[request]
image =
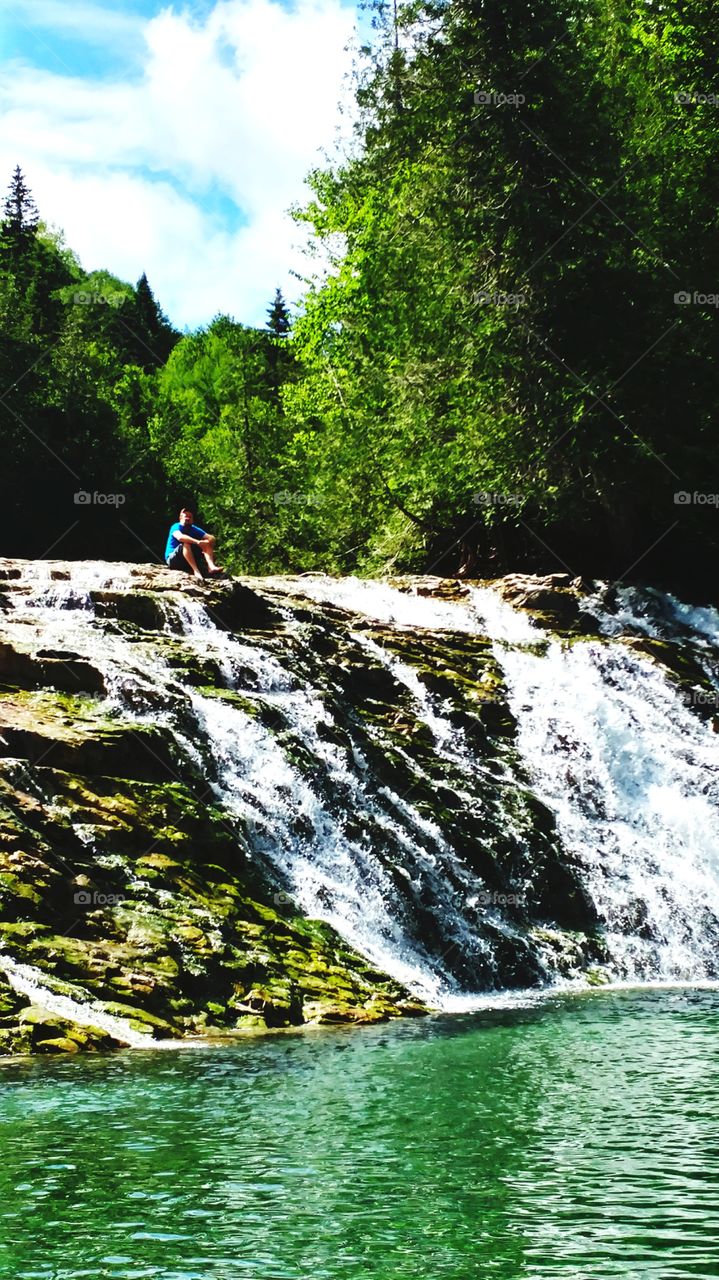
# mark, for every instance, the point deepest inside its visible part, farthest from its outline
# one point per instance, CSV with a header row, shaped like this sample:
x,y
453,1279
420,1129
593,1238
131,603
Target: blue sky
x,y
172,138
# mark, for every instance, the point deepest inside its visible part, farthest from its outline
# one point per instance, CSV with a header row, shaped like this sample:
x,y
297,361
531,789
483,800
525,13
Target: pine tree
x,y
20,214
148,307
33,265
155,335
279,317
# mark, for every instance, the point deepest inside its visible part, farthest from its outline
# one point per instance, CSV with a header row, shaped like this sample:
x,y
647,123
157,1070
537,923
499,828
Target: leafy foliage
x,y
498,341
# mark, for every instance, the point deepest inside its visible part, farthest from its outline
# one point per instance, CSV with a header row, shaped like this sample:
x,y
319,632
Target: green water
x,y
577,1139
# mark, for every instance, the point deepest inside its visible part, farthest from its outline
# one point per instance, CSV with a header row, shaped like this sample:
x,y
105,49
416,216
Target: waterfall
x,y
34,984
630,772
304,829
632,775
437,847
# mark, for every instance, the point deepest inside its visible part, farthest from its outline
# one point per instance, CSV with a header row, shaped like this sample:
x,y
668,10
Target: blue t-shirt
x,y
193,530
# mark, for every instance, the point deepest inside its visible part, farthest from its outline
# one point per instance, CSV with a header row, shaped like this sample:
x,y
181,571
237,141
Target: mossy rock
x,y
140,1020
58,1045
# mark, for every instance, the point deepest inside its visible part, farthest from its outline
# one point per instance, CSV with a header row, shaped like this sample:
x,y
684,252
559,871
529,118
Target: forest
x,y
505,353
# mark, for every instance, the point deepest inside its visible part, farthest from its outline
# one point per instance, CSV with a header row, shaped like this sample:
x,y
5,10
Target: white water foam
x,y
385,603
333,876
632,777
37,986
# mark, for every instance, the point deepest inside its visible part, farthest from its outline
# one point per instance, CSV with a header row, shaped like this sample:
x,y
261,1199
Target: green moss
x,y
58,1045
140,1020
596,976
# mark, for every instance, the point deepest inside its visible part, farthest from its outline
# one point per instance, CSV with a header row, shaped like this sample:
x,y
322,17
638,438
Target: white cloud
x,y
235,107
93,23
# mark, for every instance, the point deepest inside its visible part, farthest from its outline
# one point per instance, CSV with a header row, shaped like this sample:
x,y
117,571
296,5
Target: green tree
x,y
68,402
278,321
20,214
154,336
498,317
221,431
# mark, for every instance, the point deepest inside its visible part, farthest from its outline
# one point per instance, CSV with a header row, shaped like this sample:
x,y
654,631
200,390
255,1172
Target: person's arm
x,y
194,537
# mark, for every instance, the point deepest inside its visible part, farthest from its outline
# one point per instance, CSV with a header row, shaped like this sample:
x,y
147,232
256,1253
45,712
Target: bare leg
x,y
208,550
188,552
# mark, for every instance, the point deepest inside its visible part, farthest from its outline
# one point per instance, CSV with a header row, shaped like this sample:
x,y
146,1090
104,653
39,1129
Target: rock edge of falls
x,y
261,803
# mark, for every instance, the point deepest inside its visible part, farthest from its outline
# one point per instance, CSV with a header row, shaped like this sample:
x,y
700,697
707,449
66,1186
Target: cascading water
x,y
632,775
442,852
305,830
322,841
30,982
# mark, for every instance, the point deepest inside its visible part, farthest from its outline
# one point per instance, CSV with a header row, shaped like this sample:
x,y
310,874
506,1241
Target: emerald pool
x,y
575,1138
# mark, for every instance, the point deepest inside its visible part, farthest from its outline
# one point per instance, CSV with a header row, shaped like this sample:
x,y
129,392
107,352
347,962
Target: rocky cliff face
x,y
253,804
124,884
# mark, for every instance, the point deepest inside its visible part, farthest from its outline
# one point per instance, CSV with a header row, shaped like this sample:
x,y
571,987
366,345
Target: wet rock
x,y
67,672
185,919
36,1030
58,1045
238,608
436,588
143,608
555,596
37,731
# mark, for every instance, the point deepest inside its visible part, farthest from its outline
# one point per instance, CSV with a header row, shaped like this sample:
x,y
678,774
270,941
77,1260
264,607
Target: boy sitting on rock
x,y
190,549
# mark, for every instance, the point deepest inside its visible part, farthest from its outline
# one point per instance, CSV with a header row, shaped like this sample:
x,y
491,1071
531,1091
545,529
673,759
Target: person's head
x,y
187,516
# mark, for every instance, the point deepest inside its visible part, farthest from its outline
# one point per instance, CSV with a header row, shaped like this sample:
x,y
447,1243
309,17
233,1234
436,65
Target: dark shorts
x,y
178,561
